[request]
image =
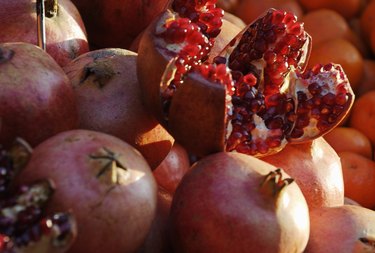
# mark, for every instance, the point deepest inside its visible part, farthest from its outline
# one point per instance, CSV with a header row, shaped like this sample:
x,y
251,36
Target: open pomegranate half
x,y
254,97
24,226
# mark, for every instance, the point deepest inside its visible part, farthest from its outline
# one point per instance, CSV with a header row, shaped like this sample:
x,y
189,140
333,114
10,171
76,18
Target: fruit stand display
x,y
187,126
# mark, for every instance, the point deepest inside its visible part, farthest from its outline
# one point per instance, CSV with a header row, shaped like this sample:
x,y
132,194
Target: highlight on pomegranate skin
x,y
255,97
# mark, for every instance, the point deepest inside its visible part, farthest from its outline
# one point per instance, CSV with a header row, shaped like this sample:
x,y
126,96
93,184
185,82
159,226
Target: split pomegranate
x,y
316,167
65,31
109,100
231,202
23,225
36,97
105,182
344,229
256,95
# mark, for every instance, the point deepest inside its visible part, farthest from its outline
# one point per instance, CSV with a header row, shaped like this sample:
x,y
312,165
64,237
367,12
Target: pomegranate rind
x,y
207,123
149,73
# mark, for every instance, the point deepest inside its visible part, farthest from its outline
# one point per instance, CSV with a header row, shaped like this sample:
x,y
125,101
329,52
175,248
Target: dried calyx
x,y
23,225
270,99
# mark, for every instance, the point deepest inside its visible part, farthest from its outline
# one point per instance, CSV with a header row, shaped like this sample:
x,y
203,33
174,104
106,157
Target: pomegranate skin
x,y
316,167
170,172
116,23
157,238
344,229
65,32
114,208
36,96
109,100
219,207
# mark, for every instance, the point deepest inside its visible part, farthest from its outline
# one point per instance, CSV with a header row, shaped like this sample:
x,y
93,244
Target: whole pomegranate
x,y
344,229
316,167
170,172
116,23
105,183
65,31
254,97
109,100
24,227
36,97
232,202
157,240
168,176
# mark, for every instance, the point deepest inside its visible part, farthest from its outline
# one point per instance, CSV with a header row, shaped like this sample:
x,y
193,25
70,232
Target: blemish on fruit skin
x,y
100,71
6,55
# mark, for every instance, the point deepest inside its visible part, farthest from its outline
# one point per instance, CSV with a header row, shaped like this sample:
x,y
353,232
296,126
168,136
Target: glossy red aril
x,y
256,95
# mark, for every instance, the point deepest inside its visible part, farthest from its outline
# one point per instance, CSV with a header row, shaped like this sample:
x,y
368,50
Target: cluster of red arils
x,y
24,227
254,97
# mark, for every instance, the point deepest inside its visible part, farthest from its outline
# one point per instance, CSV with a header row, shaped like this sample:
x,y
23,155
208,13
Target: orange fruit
x,y
368,19
347,8
362,116
359,178
368,81
249,10
356,36
372,40
325,24
342,52
349,139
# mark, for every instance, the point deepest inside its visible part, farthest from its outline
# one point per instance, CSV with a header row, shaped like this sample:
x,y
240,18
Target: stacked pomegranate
x,y
207,138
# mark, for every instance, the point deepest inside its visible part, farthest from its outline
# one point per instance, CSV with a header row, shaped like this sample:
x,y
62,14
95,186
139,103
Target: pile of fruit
x,y
187,126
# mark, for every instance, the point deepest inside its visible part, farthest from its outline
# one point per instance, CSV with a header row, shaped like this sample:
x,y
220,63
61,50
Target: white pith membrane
x,y
330,81
56,231
37,195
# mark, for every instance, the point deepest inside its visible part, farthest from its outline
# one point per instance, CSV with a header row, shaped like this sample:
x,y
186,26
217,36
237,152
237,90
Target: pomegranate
x,y
65,31
23,225
157,238
228,5
316,167
109,100
170,172
36,97
344,229
256,95
105,182
232,202
168,175
116,23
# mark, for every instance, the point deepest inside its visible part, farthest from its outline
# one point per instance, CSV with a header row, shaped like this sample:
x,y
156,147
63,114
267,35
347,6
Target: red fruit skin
x,y
170,172
36,96
109,100
343,229
316,167
116,23
157,240
218,207
113,210
65,33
